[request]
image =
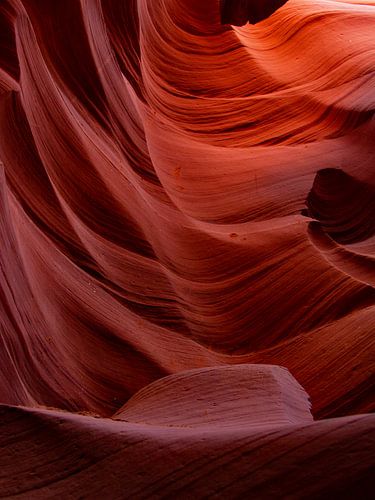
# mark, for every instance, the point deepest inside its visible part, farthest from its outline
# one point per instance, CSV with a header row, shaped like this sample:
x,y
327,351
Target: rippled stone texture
x,y
178,193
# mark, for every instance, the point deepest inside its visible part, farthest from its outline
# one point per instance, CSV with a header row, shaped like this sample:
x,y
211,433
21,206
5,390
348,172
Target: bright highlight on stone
x,y
187,248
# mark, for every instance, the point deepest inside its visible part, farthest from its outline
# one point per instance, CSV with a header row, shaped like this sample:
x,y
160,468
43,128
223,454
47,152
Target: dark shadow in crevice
x,y
343,205
239,12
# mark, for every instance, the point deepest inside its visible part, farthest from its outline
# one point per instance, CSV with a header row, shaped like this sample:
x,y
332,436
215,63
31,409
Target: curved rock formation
x,y
192,448
180,193
228,396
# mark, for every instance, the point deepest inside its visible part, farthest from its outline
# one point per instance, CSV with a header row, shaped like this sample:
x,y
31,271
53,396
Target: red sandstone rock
x,y
49,454
254,396
181,194
238,12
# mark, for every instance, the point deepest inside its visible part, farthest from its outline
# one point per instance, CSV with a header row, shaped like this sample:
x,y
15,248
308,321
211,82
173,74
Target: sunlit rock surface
x,y
185,197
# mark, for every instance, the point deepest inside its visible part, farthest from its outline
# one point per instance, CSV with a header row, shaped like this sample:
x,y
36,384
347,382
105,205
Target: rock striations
x,y
187,204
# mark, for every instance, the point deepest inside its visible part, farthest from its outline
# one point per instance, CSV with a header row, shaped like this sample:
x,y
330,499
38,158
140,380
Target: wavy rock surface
x,y
178,193
256,438
229,396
